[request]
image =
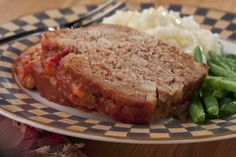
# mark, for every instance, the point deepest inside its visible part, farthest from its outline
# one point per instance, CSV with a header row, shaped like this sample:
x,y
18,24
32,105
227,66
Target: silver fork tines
x,y
108,12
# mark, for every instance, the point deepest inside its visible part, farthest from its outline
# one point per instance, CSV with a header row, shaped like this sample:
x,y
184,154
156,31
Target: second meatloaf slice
x,y
117,70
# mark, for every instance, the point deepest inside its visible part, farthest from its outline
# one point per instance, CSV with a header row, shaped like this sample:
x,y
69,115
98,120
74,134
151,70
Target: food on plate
x,y
31,74
124,73
216,97
196,109
25,66
183,32
210,101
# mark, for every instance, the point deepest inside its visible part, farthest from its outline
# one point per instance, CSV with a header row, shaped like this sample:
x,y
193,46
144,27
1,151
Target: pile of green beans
x,y
217,95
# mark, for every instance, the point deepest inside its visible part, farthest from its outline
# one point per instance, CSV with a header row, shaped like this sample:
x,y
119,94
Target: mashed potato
x,y
183,32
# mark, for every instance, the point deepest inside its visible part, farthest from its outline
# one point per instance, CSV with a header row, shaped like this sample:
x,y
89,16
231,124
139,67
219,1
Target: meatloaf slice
x,y
118,71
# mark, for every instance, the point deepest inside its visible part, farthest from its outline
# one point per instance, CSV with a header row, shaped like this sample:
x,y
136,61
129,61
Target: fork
x,y
84,20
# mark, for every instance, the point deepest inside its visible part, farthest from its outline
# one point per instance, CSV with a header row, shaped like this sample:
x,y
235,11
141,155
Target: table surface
x,y
11,9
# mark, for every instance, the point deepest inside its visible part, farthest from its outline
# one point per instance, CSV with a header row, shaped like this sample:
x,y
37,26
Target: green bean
x,y
219,93
217,60
228,108
219,71
210,102
220,83
196,110
230,62
231,56
198,55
